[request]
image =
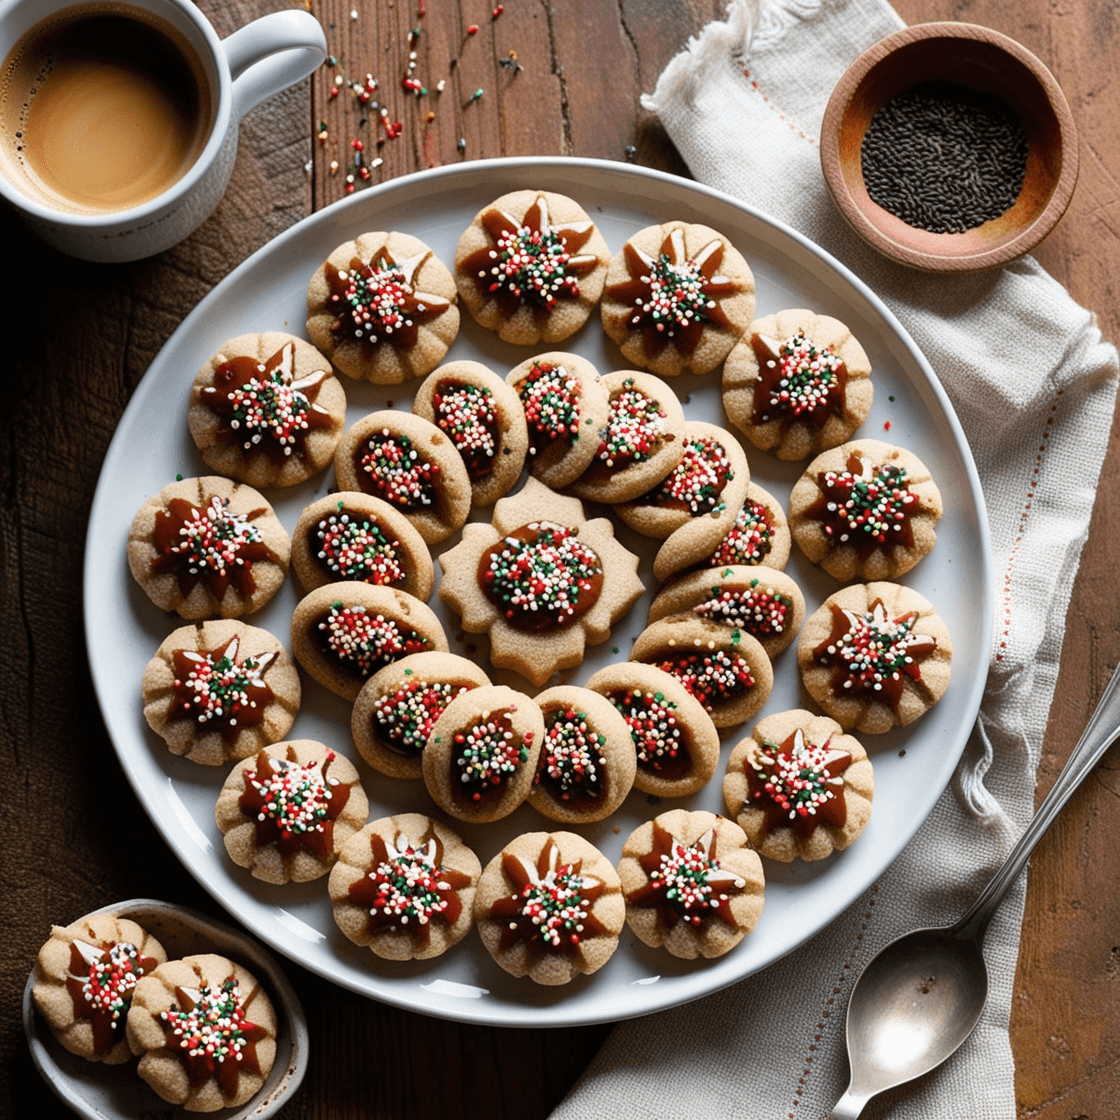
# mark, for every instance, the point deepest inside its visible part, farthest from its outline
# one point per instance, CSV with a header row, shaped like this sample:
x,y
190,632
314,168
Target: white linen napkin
x,y
1034,387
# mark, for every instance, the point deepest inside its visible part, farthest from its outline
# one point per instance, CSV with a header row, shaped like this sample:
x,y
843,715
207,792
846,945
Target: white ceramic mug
x,y
259,60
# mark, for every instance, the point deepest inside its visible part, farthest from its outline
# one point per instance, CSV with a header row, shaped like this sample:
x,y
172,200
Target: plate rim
x,y
556,1013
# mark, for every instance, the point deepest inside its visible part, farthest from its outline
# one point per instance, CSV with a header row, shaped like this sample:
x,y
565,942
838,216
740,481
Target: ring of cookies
x,y
545,569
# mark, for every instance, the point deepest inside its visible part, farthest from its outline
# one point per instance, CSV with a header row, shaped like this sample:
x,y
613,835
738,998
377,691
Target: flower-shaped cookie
x,y
543,580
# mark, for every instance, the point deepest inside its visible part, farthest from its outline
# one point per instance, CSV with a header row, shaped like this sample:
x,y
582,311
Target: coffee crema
x,y
101,109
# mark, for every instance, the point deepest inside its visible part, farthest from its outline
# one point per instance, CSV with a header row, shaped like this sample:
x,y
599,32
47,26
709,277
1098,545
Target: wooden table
x,y
556,77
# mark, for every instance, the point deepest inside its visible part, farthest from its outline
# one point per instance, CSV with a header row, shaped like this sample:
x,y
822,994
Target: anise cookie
x,y
759,601
677,298
797,383
566,405
543,581
208,548
399,705
84,980
643,439
676,745
587,761
799,787
267,409
205,1031
483,418
875,656
531,266
691,884
408,462
726,670
549,906
343,633
353,536
404,888
865,510
707,484
285,813
382,308
760,534
219,691
481,755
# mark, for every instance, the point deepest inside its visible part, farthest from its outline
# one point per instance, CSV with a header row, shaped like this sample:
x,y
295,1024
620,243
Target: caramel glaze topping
x,y
797,382
100,983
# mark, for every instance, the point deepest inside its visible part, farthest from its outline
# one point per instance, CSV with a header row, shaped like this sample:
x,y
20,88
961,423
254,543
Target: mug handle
x,y
272,53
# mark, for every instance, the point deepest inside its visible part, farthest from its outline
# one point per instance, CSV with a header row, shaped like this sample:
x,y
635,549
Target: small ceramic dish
x,y
988,63
100,1092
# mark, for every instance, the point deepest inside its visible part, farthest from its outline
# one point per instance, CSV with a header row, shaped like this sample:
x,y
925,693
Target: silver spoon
x,y
920,996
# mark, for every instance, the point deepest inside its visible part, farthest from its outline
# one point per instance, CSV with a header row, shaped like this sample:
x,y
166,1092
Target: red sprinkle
x,y
497,12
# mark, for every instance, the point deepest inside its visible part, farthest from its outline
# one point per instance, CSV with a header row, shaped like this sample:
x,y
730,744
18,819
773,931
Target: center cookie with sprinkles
x,y
220,691
543,581
797,383
759,601
285,813
482,753
677,298
865,509
267,409
208,548
642,441
691,883
382,308
549,906
727,671
404,888
398,707
531,266
587,761
676,744
352,536
875,656
408,462
343,633
483,418
565,405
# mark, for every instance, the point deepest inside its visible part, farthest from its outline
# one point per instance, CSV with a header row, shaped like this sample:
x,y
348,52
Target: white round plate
x,y
267,292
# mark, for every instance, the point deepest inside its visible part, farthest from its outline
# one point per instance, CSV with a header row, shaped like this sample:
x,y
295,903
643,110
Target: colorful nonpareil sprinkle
x,y
696,482
366,641
748,541
634,428
100,982
469,417
658,738
713,676
797,379
403,719
488,753
550,396
214,687
397,472
572,755
351,546
799,783
759,610
867,503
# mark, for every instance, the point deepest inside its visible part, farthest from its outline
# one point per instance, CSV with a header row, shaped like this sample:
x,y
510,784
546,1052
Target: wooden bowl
x,y
979,59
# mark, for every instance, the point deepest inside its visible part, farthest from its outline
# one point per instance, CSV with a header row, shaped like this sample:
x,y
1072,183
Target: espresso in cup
x,y
101,109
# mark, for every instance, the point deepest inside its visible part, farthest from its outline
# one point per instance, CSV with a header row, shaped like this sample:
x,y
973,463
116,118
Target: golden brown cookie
x,y
343,633
726,670
382,308
865,510
759,601
875,656
676,744
286,813
483,418
691,884
208,548
797,383
587,761
353,536
84,979
565,405
267,409
643,439
799,787
531,266
481,756
409,463
541,579
205,1031
399,705
549,906
404,887
677,298
219,691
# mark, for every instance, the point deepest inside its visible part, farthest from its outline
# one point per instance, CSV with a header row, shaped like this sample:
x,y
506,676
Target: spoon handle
x,y
849,1106
1098,736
